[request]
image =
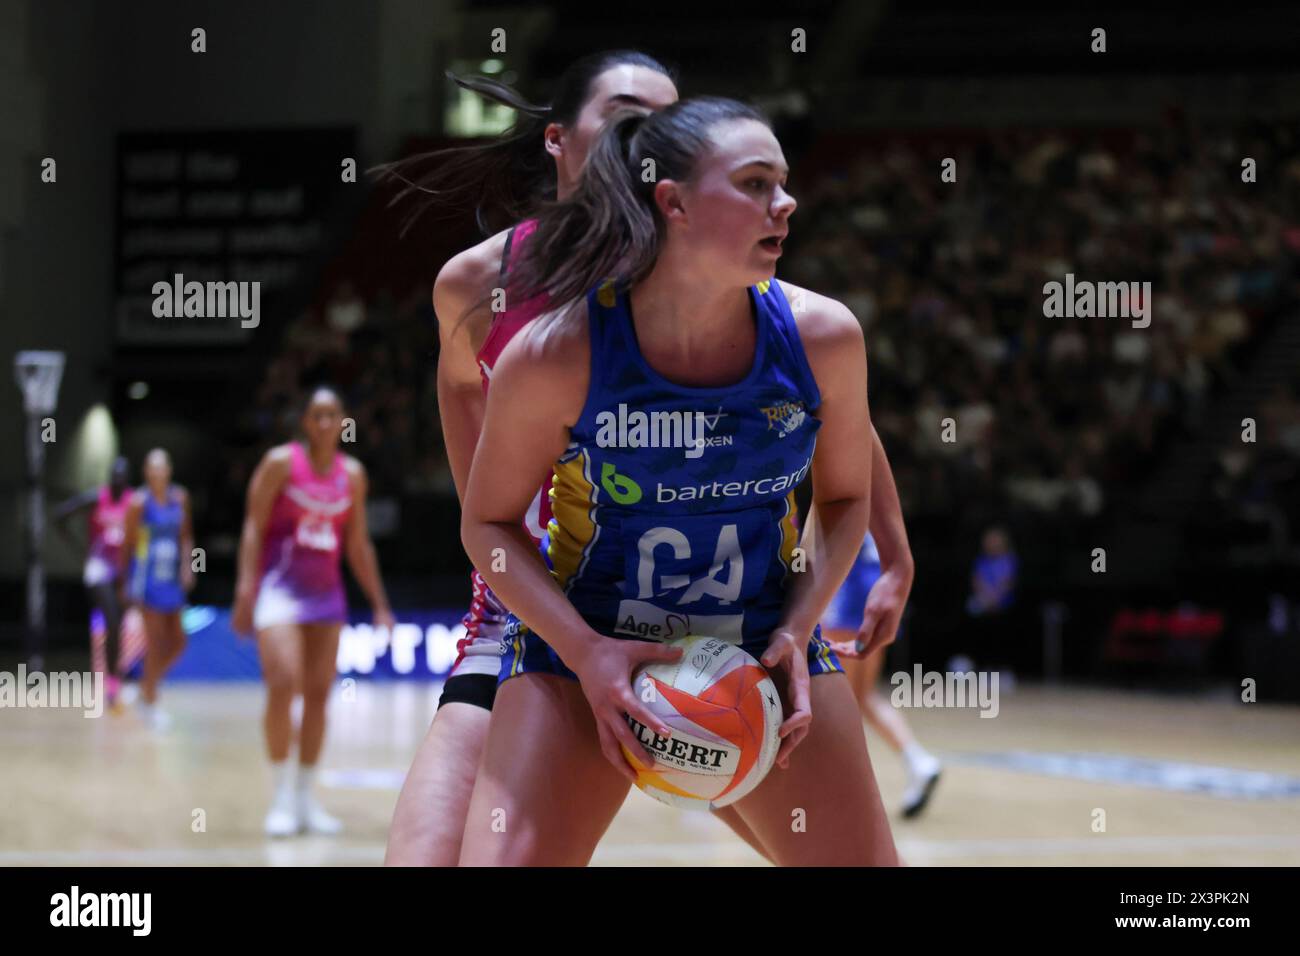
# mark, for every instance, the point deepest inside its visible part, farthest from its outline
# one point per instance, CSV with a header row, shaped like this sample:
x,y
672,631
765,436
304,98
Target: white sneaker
x,y
154,718
314,818
919,789
282,819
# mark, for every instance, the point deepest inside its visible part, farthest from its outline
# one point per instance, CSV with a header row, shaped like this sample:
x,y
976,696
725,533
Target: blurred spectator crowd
x,y
1050,414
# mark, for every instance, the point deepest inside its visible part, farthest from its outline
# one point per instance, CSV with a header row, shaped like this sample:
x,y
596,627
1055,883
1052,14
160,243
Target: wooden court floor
x,y
109,791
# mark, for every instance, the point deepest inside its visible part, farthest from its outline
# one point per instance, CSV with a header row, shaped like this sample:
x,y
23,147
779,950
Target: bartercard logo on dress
x,y
620,487
774,485
785,416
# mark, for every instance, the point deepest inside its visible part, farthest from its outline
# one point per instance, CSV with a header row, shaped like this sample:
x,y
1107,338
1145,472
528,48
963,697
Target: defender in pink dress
x,y
479,651
306,511
105,530
472,339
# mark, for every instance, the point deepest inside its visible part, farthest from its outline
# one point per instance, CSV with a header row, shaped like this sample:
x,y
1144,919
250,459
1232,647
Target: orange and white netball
x,y
724,712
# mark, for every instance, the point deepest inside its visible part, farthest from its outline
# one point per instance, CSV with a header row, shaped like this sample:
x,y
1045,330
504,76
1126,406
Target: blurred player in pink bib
x,y
306,509
301,581
105,510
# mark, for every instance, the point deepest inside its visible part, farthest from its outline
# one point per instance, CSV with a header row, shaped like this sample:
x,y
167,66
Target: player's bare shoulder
x,y
550,358
464,283
278,459
828,329
274,468
823,322
356,471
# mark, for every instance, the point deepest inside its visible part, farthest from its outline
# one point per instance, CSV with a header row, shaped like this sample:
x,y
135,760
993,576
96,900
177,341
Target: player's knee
x,y
316,693
281,683
500,849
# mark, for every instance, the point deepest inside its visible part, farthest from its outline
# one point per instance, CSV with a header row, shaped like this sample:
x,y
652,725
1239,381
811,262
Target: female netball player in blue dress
x,y
689,204
541,156
158,541
857,612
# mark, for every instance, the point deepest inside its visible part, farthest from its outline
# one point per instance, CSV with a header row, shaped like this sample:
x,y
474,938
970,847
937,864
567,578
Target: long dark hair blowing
x,y
507,177
611,227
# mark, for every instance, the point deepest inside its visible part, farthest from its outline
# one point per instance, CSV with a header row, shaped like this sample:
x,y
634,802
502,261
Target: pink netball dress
x,y
107,532
300,579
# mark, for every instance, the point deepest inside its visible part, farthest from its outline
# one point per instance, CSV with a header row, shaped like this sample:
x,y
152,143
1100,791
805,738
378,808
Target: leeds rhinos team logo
x,y
787,416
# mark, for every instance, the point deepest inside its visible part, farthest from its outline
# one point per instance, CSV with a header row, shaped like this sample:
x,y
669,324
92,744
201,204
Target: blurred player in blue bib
x,y
847,625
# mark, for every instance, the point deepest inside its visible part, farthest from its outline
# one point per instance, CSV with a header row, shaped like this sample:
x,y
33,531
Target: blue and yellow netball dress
x,y
673,507
155,579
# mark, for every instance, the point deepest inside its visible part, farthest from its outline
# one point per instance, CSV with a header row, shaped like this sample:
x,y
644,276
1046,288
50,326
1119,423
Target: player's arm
x,y
186,542
267,482
538,389
888,598
842,462
841,494
361,550
461,301
887,526
537,394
